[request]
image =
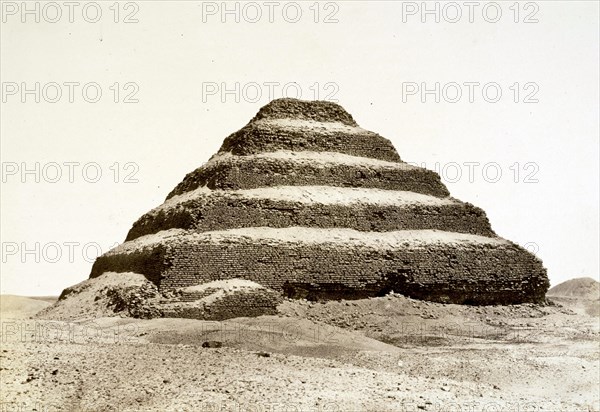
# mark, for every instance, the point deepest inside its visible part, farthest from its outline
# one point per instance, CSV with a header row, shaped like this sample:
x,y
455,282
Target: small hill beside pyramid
x,y
306,204
582,288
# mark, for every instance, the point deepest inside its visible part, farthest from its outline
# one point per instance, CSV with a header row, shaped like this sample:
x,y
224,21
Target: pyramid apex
x,y
317,110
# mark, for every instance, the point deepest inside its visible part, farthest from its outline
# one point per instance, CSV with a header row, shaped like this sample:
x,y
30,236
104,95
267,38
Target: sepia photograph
x,y
300,206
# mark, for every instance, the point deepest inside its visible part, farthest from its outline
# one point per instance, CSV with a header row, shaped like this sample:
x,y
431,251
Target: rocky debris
x,y
125,294
404,322
132,295
212,344
134,301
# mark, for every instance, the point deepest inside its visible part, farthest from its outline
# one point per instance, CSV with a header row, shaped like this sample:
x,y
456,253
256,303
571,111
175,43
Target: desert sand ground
x,y
381,354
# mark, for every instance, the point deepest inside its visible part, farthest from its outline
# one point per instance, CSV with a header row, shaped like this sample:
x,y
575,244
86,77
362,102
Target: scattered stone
x,y
212,344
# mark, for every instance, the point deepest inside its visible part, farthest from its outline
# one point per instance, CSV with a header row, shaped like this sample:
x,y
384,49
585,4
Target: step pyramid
x,y
305,202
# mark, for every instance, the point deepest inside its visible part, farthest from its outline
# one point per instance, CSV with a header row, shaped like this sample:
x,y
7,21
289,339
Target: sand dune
x,y
12,306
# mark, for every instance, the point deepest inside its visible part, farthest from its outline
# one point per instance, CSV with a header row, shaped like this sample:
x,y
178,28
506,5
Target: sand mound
x,y
582,288
126,294
132,295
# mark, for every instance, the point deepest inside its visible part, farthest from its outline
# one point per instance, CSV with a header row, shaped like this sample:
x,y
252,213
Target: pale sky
x,y
369,56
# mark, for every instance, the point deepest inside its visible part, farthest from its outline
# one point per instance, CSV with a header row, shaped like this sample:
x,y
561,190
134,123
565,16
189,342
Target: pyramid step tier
x,y
270,135
312,206
338,263
320,111
287,168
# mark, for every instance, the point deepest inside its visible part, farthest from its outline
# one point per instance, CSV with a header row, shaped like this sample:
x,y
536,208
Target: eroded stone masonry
x,y
306,204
